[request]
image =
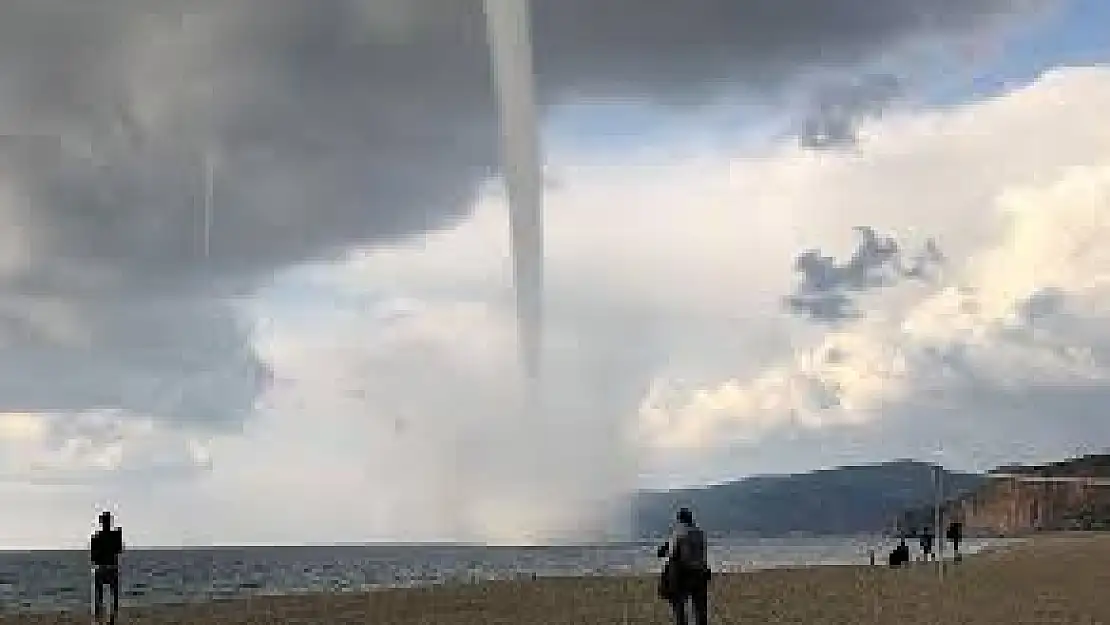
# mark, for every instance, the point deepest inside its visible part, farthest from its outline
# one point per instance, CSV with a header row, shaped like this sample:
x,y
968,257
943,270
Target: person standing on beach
x,y
104,552
686,573
926,541
955,534
900,555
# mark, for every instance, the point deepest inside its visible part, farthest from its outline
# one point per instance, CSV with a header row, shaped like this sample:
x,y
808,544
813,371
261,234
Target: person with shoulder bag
x,y
686,574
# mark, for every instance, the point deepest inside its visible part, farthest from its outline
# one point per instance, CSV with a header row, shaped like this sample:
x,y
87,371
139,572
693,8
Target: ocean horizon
x,y
49,580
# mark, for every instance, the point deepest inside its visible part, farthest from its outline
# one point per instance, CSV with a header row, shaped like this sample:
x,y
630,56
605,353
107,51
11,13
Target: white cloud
x,y
395,411
93,446
698,251
974,332
417,409
973,326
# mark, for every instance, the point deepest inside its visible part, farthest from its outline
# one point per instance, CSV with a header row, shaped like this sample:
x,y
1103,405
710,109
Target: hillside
x,y
1006,506
846,500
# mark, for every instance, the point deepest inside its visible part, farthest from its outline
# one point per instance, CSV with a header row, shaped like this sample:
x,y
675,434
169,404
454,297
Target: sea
x,y
36,581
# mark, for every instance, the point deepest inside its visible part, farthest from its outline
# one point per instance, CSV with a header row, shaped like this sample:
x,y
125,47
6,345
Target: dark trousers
x,y
105,576
695,595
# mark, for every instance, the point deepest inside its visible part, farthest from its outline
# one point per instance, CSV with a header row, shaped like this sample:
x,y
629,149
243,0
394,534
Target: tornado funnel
x,y
510,46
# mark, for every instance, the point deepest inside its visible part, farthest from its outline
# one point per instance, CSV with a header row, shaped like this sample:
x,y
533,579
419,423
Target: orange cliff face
x,y
1021,500
1011,507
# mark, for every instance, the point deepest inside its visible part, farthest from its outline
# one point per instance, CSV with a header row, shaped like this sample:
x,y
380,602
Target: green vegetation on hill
x,y
1091,465
846,500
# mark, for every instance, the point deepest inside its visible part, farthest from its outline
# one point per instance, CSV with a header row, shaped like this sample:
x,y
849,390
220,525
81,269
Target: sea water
x,y
53,580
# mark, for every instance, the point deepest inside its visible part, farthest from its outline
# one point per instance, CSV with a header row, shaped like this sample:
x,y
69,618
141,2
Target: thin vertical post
x,y
209,182
938,535
938,492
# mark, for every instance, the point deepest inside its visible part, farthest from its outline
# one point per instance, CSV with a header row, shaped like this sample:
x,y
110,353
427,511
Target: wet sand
x,y
1053,579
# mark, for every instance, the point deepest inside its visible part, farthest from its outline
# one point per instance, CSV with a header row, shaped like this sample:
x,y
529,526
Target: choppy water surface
x,y
49,580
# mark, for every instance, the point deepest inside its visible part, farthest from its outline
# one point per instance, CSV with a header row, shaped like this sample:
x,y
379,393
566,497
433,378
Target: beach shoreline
x,y
174,578
1056,577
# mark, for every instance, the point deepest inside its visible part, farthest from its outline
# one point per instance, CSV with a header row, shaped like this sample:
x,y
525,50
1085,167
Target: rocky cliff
x,y
1020,500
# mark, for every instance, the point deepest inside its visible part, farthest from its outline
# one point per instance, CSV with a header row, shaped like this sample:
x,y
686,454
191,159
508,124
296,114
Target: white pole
x,y
209,173
938,498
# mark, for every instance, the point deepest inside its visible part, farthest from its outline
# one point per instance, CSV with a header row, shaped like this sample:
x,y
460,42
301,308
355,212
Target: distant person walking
x,y
955,535
686,573
900,555
926,540
104,551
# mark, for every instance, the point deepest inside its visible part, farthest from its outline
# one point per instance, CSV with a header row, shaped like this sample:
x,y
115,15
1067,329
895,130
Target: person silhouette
x,y
105,548
686,574
900,555
955,535
926,540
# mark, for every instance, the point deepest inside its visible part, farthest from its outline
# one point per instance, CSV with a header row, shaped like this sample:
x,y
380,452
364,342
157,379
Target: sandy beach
x,y
1052,579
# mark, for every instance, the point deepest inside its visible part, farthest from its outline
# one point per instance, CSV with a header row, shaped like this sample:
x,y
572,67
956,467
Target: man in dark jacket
x,y
926,541
955,535
900,555
686,573
104,552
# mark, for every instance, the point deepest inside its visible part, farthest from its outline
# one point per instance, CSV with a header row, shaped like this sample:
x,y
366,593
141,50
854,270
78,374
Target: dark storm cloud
x,y
837,109
826,289
1044,302
685,51
176,357
334,123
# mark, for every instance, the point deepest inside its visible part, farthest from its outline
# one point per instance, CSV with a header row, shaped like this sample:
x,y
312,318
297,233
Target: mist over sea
x,y
51,580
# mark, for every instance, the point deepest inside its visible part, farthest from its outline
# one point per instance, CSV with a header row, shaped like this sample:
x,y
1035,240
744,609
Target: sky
x,y
776,239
